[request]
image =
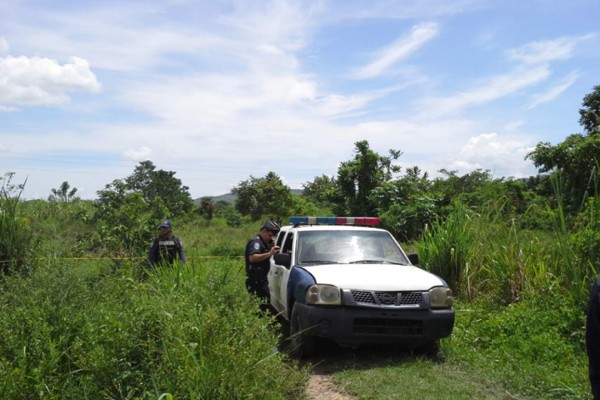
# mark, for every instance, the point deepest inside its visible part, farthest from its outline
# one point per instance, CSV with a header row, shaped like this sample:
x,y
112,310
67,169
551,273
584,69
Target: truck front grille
x,y
387,298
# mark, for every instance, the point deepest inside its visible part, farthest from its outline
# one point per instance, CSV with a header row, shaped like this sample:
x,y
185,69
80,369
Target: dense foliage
x,y
263,197
521,253
86,333
16,240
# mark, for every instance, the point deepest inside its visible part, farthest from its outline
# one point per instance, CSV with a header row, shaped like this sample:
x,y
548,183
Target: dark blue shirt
x,y
166,250
256,246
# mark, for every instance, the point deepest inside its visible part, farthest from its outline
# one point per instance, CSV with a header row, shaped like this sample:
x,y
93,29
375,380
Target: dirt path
x,y
320,387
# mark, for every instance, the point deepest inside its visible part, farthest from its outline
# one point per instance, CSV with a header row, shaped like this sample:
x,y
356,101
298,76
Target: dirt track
x,y
320,387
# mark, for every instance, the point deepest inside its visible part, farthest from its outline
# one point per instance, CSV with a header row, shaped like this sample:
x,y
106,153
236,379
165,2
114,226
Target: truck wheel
x,y
301,343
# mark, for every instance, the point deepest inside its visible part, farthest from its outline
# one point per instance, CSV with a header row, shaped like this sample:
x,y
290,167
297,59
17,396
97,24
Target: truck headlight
x,y
440,297
323,295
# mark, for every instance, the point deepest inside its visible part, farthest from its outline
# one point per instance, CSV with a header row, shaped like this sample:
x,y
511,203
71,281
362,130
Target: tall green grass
x,y
522,294
481,253
16,238
189,332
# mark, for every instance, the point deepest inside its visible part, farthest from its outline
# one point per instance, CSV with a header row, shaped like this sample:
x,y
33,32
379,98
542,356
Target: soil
x,y
331,358
320,387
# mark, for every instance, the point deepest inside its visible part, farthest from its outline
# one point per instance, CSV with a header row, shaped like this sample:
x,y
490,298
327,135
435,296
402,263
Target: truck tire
x,y
301,343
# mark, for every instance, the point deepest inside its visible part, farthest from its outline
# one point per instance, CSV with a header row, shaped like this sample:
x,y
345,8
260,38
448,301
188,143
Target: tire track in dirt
x,y
321,387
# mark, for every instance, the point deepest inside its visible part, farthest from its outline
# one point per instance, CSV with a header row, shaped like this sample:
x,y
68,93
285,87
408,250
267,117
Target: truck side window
x,y
280,239
287,246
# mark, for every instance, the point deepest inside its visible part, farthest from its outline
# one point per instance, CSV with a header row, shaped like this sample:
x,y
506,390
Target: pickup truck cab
x,y
343,279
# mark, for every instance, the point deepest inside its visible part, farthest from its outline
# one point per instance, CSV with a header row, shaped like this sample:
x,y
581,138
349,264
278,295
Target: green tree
x,y
590,113
129,209
154,184
357,178
577,158
263,197
405,204
64,193
206,208
451,186
321,191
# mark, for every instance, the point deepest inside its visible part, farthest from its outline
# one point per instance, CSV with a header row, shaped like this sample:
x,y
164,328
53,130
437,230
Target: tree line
x,y
369,184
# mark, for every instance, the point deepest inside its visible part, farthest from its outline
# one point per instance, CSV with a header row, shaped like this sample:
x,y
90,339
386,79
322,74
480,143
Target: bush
x,y
542,335
191,333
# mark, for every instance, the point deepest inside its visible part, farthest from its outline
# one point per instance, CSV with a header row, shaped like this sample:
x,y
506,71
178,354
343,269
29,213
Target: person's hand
x,y
274,250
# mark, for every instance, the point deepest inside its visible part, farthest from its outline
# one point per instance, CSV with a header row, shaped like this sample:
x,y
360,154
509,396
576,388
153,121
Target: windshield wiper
x,y
380,261
318,262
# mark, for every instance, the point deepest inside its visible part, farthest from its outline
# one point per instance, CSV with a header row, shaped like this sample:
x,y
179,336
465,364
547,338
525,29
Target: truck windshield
x,y
342,247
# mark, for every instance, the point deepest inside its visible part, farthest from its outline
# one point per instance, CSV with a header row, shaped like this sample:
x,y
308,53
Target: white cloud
x,y
494,88
554,91
547,50
42,81
503,157
338,105
140,154
219,91
402,48
8,109
4,148
513,125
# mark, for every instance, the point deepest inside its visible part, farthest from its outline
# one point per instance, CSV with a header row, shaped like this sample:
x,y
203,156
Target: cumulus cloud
x,y
402,48
43,81
139,154
503,157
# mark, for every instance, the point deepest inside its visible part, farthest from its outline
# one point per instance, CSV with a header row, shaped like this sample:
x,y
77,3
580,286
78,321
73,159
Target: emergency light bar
x,y
335,220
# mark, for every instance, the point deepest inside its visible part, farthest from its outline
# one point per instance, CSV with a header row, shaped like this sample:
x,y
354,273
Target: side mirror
x,y
283,259
413,258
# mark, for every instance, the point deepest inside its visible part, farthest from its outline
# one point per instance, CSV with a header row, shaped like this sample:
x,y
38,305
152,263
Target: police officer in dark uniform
x,y
165,248
258,253
592,338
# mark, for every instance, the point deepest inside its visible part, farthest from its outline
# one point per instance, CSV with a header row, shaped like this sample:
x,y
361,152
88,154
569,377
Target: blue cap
x,y
271,226
165,223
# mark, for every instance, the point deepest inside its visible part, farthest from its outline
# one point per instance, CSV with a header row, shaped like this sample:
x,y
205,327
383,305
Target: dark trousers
x,y
592,336
257,282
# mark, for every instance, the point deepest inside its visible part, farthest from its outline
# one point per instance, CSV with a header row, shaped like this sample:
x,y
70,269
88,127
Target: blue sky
x,y
219,91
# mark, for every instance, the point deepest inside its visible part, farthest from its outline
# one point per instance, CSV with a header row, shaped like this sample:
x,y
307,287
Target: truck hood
x,y
380,277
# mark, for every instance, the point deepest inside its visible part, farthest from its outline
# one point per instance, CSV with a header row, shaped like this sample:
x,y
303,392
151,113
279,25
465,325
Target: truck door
x,y
278,276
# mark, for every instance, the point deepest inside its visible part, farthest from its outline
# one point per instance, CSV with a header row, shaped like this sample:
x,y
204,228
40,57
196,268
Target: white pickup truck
x,y
343,279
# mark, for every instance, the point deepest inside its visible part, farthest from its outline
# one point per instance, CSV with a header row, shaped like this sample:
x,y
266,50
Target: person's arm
x,y
181,252
256,258
152,252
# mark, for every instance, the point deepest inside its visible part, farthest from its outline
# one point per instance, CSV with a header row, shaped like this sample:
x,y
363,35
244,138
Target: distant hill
x,y
230,197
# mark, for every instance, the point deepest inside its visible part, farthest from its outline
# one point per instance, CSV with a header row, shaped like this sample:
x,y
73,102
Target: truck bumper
x,y
357,325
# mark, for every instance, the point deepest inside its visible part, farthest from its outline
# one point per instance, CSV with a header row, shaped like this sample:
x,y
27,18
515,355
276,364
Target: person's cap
x,y
165,223
271,226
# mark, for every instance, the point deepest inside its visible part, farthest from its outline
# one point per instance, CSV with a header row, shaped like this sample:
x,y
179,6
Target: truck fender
x,y
298,282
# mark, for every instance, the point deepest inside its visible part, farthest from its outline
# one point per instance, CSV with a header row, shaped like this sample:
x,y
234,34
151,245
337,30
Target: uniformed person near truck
x,y
258,253
166,247
592,338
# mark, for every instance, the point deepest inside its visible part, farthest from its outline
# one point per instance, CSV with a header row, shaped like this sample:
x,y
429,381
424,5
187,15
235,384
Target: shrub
x,y
188,332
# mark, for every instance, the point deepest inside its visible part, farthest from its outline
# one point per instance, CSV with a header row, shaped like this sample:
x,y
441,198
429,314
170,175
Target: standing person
x,y
258,253
166,248
592,338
